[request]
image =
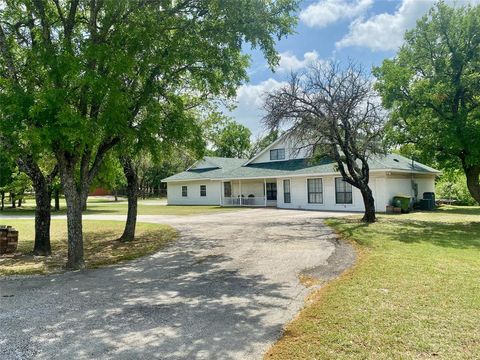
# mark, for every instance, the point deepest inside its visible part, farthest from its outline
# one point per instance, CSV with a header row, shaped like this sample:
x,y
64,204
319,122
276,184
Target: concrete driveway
x,y
224,290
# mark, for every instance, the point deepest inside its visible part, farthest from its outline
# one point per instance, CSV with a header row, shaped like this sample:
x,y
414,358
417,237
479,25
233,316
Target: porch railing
x,y
244,201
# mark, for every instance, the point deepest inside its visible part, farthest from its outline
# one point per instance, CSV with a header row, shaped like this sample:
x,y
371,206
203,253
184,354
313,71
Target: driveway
x,y
224,290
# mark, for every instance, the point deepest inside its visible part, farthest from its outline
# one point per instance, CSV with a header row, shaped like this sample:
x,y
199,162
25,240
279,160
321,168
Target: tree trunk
x,y
473,181
42,245
43,195
12,200
115,194
74,219
57,199
132,195
369,203
2,196
20,201
84,201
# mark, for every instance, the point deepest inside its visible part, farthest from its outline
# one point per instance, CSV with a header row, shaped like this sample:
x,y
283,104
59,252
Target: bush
x,y
453,186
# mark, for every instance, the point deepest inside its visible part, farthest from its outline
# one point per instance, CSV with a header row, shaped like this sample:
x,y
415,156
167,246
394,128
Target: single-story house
x,y
280,176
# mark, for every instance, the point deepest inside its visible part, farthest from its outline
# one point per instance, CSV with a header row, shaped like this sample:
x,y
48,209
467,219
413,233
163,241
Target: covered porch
x,y
249,192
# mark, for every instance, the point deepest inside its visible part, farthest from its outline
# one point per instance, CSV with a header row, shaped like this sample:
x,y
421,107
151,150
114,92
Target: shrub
x,y
452,185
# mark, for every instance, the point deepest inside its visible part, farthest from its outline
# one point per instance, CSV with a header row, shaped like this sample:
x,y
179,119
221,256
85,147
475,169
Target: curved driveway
x,y
224,290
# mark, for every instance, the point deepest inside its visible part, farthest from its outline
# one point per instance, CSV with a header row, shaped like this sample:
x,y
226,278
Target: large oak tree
x,y
80,72
432,87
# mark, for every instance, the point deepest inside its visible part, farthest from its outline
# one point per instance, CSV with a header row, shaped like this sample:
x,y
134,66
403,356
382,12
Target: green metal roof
x,y
235,168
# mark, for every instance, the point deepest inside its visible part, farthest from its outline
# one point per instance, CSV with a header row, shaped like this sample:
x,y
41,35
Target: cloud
x,y
289,62
383,32
249,111
326,12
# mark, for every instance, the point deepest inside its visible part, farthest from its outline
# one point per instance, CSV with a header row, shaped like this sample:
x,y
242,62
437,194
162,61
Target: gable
x,y
285,144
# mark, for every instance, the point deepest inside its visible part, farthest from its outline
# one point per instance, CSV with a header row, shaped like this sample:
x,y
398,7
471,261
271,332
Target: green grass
x,y
102,206
100,243
413,294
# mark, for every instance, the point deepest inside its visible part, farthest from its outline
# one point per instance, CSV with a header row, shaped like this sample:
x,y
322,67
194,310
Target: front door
x,y
272,191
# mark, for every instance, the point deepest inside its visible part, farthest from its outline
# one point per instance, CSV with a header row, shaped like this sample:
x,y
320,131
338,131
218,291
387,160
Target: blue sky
x,y
366,31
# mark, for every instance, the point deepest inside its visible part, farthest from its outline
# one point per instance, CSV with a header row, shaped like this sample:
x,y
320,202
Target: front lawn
x,y
414,293
104,206
101,245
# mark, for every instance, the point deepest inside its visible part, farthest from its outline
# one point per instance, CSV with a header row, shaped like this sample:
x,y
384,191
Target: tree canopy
x,y
432,88
231,139
79,76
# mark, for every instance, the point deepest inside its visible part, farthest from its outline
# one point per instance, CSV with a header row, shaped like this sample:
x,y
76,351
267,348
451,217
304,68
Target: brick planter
x,y
8,240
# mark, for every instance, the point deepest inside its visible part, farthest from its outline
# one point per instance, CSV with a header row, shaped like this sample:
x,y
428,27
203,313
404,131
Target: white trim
x,y
323,192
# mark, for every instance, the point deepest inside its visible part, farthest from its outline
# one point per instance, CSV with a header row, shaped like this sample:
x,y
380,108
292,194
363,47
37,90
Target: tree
x,y
432,87
262,142
332,111
80,73
110,175
231,139
6,174
179,130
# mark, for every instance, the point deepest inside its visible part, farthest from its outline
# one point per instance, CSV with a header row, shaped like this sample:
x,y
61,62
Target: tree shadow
x,y
172,305
459,210
452,235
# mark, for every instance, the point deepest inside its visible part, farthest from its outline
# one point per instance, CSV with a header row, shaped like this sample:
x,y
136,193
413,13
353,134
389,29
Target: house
x,y
281,176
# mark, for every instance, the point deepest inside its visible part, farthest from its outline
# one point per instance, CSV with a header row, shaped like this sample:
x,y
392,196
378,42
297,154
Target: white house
x,y
282,177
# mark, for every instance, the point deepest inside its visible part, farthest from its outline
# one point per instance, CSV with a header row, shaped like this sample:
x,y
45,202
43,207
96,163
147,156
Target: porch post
x,y
240,187
265,191
221,192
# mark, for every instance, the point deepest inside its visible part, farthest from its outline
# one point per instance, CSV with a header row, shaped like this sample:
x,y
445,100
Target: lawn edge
x,y
318,292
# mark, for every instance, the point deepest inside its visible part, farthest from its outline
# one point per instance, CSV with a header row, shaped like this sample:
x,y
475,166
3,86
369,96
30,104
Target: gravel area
x,y
224,290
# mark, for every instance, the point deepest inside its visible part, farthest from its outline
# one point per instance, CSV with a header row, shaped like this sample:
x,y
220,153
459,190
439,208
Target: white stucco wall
x,y
299,196
290,152
174,193
401,184
384,186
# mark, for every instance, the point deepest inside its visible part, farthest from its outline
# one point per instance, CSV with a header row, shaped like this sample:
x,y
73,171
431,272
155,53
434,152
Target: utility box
x,y
8,240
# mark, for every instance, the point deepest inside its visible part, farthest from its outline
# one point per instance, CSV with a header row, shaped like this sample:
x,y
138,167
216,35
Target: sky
x,y
366,31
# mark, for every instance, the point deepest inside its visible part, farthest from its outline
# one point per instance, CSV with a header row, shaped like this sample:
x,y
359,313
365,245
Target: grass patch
x,y
413,294
100,241
104,206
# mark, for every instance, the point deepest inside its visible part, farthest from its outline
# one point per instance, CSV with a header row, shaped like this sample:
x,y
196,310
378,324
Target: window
x,y
343,192
286,192
315,191
271,191
227,189
277,154
203,190
184,191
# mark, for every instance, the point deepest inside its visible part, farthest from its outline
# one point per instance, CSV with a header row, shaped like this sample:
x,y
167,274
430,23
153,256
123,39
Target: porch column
x,y
240,187
221,192
265,191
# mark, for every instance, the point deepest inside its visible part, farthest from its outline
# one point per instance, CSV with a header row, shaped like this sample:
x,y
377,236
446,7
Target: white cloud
x,y
289,62
385,31
326,12
250,98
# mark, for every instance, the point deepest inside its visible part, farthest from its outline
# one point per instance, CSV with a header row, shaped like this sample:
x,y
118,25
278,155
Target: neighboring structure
x,y
283,177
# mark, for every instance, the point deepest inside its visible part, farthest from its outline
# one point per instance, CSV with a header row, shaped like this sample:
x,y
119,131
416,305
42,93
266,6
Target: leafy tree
x,y
262,142
79,76
6,173
110,175
432,87
332,111
231,139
